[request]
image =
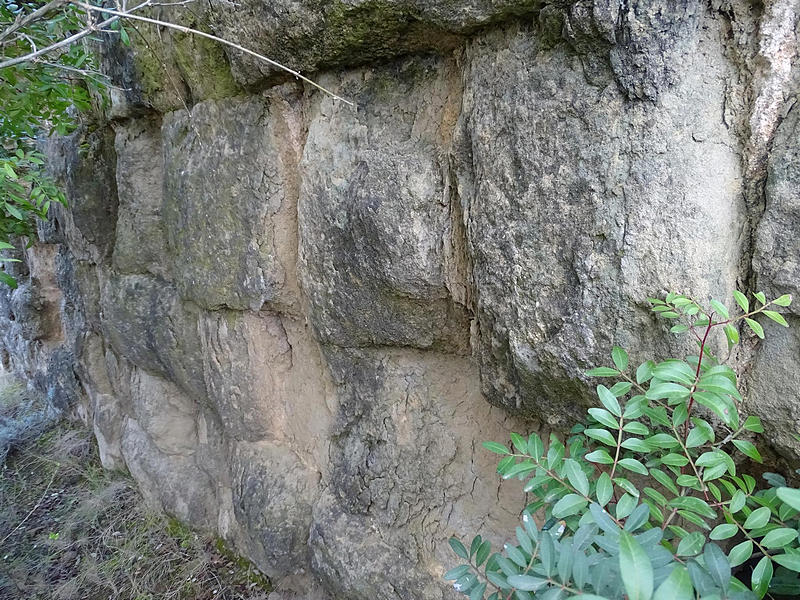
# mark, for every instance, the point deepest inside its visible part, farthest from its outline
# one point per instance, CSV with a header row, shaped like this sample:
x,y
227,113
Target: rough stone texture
x,y
374,214
219,211
294,321
141,241
146,322
774,378
582,204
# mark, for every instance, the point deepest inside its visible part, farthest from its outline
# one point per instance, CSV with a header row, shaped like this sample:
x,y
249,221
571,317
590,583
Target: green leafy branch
x,y
667,488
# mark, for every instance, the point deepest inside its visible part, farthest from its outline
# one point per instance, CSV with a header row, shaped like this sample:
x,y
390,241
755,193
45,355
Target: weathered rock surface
x,y
294,321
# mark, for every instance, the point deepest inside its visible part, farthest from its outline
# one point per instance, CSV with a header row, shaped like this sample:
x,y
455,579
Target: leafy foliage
x,y
634,501
41,96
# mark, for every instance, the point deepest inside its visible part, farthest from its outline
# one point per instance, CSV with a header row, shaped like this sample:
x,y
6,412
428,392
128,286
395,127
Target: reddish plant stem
x,y
697,376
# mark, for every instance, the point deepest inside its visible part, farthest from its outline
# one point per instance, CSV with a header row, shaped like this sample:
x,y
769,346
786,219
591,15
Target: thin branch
x,y
22,21
65,42
21,523
209,36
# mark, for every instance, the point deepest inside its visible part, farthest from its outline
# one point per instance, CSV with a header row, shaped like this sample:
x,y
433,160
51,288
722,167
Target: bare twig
x,y
61,44
24,20
209,36
33,510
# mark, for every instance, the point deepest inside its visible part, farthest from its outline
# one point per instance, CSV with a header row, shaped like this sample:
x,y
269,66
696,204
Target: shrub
x,y
645,501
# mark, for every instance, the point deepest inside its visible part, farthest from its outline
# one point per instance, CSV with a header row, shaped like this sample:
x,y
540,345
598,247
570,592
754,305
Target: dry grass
x,y
71,531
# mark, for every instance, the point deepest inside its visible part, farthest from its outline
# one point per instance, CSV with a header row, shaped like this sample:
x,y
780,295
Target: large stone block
x,y
226,202
175,483
266,379
374,212
773,382
307,35
145,321
273,495
579,204
141,244
406,463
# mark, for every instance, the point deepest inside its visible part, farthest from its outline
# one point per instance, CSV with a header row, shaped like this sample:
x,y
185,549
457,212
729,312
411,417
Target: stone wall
x,y
294,322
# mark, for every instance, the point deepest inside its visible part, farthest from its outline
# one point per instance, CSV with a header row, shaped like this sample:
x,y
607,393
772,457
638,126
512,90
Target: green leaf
x,y
664,480
680,328
635,407
778,538
621,388
527,583
645,371
717,565
758,518
790,496
720,405
123,36
738,500
604,490
637,518
784,300
692,544
723,531
521,468
720,309
478,592
535,446
496,448
697,437
732,334
697,505
658,391
675,460
675,370
790,561
633,465
636,428
756,327
604,417
627,486
456,573
663,440
636,445
14,211
602,372
635,564
483,553
600,456
620,358
576,476
516,555
748,449
741,300
10,173
777,317
625,506
476,543
762,575
569,505
753,424
760,297
458,548
656,496
740,553
519,442
8,280
678,586
601,435
609,400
